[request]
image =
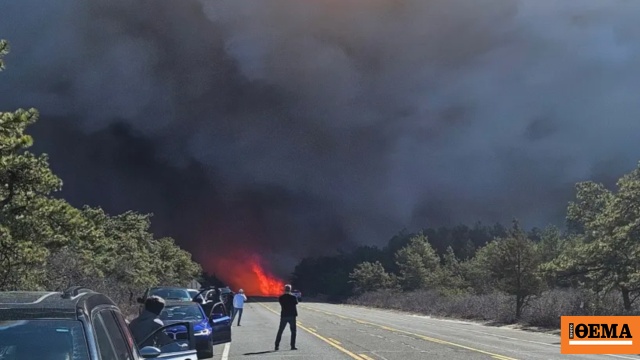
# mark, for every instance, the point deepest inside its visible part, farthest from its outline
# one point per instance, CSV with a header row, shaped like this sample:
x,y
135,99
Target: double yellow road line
x,y
419,336
336,344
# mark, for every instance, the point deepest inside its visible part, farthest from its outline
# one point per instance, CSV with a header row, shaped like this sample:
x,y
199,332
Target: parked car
x,y
226,296
298,294
78,324
218,297
165,292
209,329
225,291
195,294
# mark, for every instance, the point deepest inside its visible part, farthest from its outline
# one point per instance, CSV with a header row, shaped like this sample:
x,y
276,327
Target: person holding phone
x,y
288,314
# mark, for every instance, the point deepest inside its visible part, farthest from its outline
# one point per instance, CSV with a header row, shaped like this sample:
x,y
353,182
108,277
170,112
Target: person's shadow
x,y
259,352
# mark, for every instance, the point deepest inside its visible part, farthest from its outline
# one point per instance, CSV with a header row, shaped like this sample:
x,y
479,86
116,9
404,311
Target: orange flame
x,y
247,272
269,285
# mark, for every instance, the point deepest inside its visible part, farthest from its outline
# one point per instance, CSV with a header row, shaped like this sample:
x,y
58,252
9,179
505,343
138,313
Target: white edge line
x,y
621,357
483,332
225,352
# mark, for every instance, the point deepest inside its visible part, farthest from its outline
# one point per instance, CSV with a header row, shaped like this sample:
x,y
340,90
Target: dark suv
x,y
78,324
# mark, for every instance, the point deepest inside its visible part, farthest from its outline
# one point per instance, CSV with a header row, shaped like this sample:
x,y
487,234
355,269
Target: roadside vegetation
x,y
46,243
498,274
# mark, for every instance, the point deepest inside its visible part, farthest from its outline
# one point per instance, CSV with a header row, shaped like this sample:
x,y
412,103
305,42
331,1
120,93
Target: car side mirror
x,y
150,352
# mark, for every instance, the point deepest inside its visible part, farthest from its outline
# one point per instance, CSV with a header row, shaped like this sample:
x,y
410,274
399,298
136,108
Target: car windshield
x,y
42,340
182,313
172,294
193,293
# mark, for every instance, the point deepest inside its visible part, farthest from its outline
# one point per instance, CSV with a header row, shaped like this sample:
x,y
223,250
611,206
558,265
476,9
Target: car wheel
x,y
206,353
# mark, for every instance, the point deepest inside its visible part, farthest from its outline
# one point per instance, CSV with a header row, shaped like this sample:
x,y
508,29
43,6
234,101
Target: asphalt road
x,y
328,331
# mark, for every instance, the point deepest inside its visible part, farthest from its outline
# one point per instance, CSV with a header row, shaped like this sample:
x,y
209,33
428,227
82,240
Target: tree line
x,y
46,243
591,266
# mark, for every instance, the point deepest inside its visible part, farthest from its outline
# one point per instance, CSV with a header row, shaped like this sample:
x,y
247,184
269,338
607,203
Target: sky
x,y
288,128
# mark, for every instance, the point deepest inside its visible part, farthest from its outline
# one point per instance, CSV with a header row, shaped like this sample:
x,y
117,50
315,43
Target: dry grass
x,y
543,311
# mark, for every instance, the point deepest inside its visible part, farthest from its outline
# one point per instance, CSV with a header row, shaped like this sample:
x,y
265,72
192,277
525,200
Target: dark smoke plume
x,y
289,127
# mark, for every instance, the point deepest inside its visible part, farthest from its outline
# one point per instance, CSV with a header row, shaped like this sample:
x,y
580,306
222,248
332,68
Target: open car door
x,y
161,345
206,291
221,324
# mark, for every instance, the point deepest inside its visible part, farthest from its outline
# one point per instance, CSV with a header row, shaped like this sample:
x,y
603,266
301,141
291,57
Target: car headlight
x,y
202,332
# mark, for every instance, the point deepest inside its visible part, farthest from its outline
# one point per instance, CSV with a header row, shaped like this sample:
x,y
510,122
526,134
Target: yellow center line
x,y
337,346
364,356
335,341
423,337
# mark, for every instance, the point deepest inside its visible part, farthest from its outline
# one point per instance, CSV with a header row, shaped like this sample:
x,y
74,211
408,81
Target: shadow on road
x,y
259,352
265,299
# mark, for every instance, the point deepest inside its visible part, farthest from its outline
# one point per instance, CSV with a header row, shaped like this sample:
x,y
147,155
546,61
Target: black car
x,y
77,324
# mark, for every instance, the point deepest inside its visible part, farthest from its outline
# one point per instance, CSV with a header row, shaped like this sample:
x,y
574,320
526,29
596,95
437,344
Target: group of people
x,y
149,322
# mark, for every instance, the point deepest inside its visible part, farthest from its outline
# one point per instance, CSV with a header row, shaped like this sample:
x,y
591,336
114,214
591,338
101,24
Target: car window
x,y
171,294
181,312
105,348
42,340
111,341
124,328
218,309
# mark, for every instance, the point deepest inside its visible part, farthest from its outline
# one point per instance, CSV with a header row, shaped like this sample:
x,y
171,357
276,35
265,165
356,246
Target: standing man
x,y
238,304
148,323
288,314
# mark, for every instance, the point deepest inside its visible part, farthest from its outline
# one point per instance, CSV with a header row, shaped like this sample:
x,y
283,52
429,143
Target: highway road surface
x,y
327,331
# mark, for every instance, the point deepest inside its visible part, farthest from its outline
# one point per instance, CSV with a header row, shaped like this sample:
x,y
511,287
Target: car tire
x,y
206,353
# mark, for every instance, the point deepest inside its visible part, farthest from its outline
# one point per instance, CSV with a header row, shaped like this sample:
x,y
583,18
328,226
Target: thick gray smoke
x,y
292,126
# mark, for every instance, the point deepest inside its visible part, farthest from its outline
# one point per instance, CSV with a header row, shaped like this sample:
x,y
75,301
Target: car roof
x,y
168,288
21,305
180,303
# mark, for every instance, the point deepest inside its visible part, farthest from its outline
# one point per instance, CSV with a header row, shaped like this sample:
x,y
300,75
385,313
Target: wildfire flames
x,y
269,285
248,273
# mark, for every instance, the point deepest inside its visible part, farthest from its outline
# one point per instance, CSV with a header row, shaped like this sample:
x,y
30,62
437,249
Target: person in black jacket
x,y
288,313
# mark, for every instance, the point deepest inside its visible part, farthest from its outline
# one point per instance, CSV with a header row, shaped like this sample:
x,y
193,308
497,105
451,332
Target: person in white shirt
x,y
238,305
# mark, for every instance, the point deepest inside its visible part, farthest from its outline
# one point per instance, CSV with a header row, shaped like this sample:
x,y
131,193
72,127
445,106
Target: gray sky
x,y
290,127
